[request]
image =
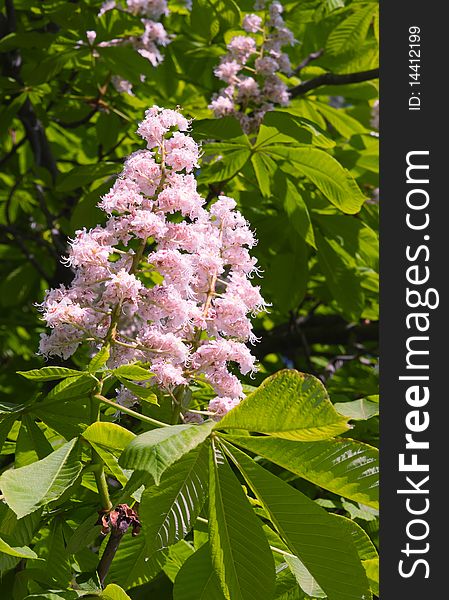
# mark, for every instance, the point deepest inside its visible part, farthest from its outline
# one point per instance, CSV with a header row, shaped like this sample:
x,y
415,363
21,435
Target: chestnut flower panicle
x,y
251,66
164,281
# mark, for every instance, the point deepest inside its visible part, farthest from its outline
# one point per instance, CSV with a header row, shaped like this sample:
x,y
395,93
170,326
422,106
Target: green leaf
x,y
85,174
84,534
298,213
264,167
126,62
133,372
343,466
349,35
176,557
113,592
287,587
72,387
23,552
169,510
320,542
304,578
240,552
66,417
110,436
141,391
358,410
226,168
372,572
361,540
49,373
197,579
343,123
288,277
289,405
220,129
342,278
132,564
107,128
335,182
32,486
16,532
31,443
99,360
297,128
156,450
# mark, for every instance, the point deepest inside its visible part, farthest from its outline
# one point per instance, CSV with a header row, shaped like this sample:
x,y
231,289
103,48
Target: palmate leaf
x,y
320,542
168,510
289,405
197,579
343,466
156,450
27,488
240,552
335,182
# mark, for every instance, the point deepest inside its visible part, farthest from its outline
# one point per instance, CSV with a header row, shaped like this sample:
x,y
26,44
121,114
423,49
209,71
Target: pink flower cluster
x,y
153,37
164,281
251,66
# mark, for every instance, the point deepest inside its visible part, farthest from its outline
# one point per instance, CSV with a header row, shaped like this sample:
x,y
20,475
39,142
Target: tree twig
x,y
333,79
308,59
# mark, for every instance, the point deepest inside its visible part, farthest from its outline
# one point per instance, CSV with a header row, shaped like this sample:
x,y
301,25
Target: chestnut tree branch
x,y
332,79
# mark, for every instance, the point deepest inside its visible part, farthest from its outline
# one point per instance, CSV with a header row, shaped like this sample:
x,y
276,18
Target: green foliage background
x,y
306,184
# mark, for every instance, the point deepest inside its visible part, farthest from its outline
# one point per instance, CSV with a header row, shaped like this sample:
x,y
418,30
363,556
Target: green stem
x,y
131,412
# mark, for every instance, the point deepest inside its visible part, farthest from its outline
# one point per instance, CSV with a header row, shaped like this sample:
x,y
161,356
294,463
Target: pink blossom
x,y
122,85
154,32
91,37
222,106
148,8
86,250
241,47
248,89
141,168
148,224
167,375
182,152
228,70
173,290
124,196
249,98
221,406
252,23
180,195
266,65
191,417
106,6
122,286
